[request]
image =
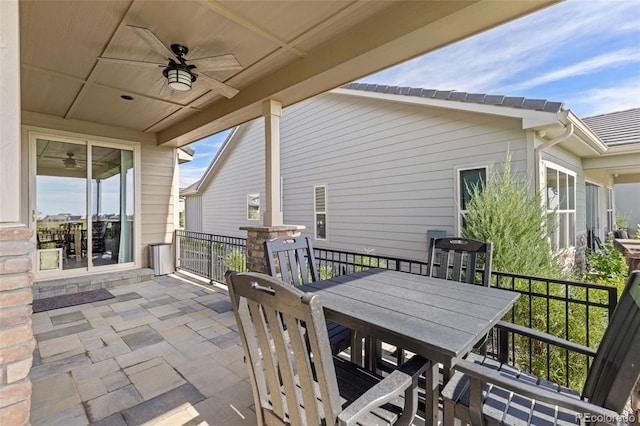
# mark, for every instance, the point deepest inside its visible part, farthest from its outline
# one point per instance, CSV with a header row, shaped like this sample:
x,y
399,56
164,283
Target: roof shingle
x,y
454,95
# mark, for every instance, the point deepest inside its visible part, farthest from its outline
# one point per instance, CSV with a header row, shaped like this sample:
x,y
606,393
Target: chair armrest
x,y
488,375
405,377
547,338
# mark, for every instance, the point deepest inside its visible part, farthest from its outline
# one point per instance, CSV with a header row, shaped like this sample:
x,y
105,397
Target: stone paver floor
x,y
163,351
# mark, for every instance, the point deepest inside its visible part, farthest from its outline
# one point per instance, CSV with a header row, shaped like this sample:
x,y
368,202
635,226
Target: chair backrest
x,y
295,260
460,259
285,340
616,366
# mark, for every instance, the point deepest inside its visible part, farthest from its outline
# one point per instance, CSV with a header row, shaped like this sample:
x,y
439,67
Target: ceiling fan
x,y
179,70
70,162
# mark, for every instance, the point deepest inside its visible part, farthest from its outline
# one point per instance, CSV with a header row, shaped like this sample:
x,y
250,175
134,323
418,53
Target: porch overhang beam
x,y
402,32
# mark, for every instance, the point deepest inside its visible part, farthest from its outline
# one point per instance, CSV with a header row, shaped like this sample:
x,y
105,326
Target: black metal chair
x,y
292,259
294,377
484,391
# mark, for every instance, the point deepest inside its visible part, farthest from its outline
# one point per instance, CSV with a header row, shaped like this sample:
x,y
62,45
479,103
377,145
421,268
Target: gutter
x,y
568,132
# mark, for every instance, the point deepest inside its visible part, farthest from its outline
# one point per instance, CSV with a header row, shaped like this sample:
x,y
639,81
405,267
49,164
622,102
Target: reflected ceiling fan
x,y
179,71
70,162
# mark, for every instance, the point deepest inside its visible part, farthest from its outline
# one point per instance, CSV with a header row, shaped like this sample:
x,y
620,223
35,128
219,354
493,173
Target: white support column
x,y
10,113
272,111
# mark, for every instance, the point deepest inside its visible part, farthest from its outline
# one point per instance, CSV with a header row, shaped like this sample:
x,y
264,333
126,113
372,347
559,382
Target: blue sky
x,y
585,53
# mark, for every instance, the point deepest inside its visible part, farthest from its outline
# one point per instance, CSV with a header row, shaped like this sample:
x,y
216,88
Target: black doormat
x,y
57,302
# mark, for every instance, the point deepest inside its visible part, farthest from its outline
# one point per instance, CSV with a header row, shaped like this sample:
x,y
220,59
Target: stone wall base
x,y
16,334
257,235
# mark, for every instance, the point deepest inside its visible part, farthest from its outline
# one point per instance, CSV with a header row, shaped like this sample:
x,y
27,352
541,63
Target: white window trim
x,y
316,212
610,209
458,193
254,194
550,165
32,133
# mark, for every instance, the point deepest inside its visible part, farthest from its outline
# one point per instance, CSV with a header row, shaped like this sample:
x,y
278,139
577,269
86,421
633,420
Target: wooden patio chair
x,y
460,259
483,391
296,264
294,377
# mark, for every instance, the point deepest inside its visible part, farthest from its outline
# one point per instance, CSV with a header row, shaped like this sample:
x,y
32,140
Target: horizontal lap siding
x,y
224,202
389,168
158,166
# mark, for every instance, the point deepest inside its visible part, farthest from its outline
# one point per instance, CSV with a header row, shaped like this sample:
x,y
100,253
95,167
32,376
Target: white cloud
x,y
189,175
498,59
597,63
624,95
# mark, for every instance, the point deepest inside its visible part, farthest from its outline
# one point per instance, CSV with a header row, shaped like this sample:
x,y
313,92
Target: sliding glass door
x,y
83,212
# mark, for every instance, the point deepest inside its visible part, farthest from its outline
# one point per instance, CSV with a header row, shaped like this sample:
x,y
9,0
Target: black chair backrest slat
x,y
616,367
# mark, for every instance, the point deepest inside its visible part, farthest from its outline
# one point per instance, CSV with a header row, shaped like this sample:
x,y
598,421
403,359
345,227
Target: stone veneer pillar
x,y
16,335
257,235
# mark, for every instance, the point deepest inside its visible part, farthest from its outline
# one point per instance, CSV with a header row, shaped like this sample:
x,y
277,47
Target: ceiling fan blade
x,y
217,63
153,41
219,87
130,61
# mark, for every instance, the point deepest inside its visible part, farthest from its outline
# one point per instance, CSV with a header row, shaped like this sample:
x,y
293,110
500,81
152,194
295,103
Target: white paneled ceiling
x,y
288,50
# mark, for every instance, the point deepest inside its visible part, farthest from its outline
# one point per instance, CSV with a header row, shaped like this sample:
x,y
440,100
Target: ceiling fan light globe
x,y
179,80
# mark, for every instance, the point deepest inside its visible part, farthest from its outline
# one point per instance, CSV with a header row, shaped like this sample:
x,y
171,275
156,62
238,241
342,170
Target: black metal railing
x,y
210,256
575,311
332,263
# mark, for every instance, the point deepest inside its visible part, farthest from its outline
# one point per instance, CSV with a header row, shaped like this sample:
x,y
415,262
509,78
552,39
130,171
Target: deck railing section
x,y
209,256
576,311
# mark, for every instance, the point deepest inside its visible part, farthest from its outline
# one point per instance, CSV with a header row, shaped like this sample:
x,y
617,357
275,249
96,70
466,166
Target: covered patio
x,y
164,351
87,75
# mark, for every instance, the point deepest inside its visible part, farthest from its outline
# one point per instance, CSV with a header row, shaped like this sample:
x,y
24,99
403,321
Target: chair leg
x,y
356,348
448,413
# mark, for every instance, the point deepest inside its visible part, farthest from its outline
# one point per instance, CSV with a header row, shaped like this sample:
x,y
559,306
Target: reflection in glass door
x,y
61,205
112,210
66,239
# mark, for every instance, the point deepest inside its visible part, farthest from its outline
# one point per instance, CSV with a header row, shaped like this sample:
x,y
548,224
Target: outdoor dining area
x,y
289,346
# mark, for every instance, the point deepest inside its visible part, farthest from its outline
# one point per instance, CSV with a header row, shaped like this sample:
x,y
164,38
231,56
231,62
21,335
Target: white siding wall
x,y
193,213
224,201
389,169
159,168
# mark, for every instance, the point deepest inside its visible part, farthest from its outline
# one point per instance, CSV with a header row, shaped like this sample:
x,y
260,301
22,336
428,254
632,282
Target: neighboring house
x,y
378,167
618,129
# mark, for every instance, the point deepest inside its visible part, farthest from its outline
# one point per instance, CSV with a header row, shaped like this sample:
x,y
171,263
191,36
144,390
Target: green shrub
x,y
236,260
504,212
326,272
607,266
364,260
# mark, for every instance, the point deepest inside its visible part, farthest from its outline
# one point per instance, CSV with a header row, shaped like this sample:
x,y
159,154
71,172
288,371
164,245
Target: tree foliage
x,y
504,212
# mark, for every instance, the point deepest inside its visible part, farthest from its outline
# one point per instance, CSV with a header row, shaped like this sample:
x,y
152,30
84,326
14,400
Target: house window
x,y
561,203
467,180
320,211
253,206
610,215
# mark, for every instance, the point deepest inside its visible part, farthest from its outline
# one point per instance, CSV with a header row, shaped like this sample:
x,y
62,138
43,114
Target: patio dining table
x,y
438,319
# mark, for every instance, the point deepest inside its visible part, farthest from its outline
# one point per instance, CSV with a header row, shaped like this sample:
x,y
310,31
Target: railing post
x,y
211,263
177,238
503,345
